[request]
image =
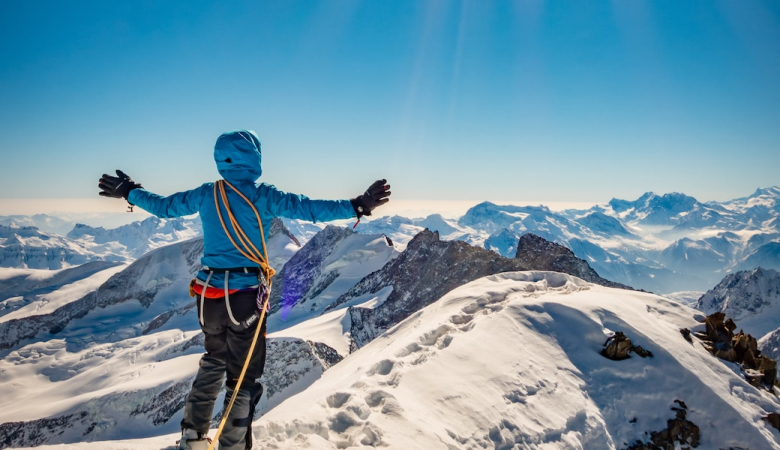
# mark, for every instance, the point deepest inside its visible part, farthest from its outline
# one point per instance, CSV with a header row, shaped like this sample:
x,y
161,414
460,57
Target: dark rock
x,y
774,420
421,275
679,433
538,253
617,348
429,268
719,339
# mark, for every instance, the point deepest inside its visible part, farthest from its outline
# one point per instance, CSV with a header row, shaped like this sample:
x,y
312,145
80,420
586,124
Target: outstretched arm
x,y
295,206
176,205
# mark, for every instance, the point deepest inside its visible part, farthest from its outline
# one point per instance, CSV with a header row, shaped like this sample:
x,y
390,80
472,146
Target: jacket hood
x,y
237,154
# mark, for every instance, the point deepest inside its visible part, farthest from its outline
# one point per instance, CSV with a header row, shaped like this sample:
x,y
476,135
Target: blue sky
x,y
552,101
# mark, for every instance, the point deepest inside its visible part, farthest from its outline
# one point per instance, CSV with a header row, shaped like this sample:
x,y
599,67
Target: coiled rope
x,y
249,251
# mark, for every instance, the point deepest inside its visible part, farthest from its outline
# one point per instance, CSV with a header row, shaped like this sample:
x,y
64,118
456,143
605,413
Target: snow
x,y
48,379
512,361
688,298
450,376
514,358
49,302
352,259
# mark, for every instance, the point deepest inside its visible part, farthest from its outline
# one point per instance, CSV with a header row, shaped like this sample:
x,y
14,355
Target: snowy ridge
x,y
426,270
43,222
439,379
136,239
30,248
318,275
28,292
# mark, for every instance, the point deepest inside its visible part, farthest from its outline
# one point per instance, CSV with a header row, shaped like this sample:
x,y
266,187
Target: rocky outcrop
x,y
720,340
540,254
679,433
422,274
618,346
428,269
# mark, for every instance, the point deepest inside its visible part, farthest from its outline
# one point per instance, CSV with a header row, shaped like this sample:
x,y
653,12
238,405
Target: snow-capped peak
x,y
750,297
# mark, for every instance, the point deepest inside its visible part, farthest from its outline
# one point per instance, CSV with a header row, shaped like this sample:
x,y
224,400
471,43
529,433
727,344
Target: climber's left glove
x,y
118,186
376,195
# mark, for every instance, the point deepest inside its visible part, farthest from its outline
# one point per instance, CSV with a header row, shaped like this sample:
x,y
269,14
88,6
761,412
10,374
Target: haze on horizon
x,y
450,101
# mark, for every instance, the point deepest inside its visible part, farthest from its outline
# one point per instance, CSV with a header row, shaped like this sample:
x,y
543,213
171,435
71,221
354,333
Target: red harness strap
x,y
196,289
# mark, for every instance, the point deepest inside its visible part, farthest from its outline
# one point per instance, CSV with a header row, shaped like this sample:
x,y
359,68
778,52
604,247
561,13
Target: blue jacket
x,y
237,154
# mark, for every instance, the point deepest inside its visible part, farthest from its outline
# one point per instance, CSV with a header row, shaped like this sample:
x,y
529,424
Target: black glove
x,y
375,195
117,187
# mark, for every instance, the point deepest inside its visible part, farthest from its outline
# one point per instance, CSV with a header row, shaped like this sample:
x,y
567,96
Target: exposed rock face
x,y
278,228
618,347
38,432
423,273
291,366
742,348
540,254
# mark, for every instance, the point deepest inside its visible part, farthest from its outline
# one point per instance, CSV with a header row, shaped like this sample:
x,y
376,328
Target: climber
x,y
232,286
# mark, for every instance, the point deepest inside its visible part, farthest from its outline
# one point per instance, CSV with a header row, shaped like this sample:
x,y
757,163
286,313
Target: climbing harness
x,y
265,274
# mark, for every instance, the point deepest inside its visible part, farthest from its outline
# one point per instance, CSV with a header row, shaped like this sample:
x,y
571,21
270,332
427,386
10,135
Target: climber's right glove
x,y
377,194
118,186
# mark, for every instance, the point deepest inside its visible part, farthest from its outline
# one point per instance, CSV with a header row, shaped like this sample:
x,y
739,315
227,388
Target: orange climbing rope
x,y
249,251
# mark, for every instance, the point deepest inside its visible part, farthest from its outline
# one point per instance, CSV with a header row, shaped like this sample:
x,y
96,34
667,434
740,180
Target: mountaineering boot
x,y
193,440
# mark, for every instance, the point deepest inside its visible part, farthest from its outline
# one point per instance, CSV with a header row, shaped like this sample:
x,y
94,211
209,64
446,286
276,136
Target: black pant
x,y
227,346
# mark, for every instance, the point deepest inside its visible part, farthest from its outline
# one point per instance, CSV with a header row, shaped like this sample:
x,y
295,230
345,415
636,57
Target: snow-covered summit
x,y
768,198
137,238
44,222
491,218
28,247
512,361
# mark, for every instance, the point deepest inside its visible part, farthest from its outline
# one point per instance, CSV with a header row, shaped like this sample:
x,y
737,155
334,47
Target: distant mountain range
x,y
660,243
